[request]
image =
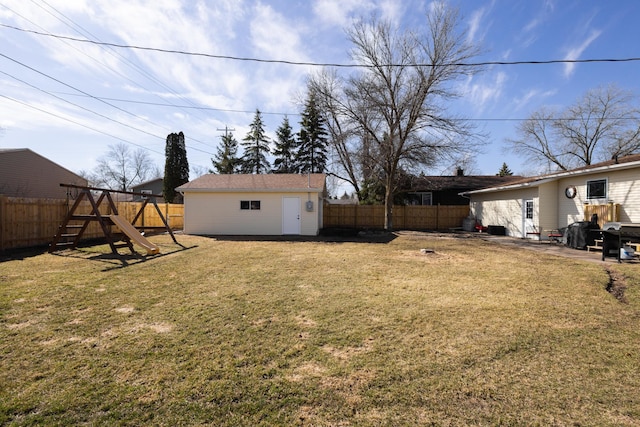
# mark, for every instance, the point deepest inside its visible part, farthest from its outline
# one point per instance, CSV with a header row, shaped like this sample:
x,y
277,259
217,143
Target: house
x,y
155,186
449,190
238,204
24,173
531,207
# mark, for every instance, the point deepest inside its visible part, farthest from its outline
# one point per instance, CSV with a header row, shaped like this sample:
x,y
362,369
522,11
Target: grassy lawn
x,y
252,333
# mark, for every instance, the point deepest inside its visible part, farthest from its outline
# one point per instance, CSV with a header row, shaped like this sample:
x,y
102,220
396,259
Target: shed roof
x,y
314,182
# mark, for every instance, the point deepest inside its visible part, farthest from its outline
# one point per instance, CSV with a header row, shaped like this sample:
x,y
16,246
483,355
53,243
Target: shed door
x,y
290,215
528,223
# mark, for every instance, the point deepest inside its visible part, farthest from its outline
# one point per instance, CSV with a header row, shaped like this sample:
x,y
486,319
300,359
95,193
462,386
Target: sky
x,y
70,101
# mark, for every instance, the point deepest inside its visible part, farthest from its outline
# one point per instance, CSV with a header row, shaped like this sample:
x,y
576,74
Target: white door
x,y
290,215
528,224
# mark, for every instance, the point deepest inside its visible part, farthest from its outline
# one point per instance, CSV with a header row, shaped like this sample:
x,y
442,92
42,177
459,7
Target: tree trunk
x,y
388,206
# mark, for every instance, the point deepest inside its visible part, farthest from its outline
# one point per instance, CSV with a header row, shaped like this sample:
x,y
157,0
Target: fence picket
x,y
404,217
33,222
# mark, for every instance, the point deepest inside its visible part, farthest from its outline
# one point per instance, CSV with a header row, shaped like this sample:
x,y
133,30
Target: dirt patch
x,y
617,284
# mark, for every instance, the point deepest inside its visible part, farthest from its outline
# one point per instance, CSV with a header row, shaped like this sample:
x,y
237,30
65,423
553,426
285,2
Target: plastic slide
x,y
134,234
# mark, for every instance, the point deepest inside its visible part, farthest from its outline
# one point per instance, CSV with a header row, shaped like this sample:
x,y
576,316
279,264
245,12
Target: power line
x,y
92,97
71,24
195,107
319,64
78,123
472,119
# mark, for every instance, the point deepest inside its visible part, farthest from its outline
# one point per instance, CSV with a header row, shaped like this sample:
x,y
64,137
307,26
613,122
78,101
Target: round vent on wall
x,y
570,192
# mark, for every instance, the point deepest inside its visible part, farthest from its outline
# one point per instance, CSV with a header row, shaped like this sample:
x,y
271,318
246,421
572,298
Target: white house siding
x,y
547,218
209,213
623,188
504,208
571,210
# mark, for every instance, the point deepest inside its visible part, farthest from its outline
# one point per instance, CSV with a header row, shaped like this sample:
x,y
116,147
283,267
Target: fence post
x,y
3,220
355,217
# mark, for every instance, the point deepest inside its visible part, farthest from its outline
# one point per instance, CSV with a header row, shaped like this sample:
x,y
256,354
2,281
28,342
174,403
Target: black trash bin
x,y
497,230
578,235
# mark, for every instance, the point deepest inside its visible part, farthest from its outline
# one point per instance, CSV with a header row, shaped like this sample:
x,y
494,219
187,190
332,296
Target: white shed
x,y
260,205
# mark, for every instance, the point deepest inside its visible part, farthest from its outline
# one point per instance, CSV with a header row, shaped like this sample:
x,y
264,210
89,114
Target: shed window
x,y
597,189
253,205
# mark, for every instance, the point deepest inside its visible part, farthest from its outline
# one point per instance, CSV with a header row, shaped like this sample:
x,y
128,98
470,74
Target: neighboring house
x,y
155,186
446,190
537,205
236,204
24,173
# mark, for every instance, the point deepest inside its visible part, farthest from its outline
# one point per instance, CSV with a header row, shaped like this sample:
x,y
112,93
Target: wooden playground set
x,y
75,223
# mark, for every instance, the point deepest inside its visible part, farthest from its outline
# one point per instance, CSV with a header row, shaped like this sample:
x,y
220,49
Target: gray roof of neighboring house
x,y
460,182
627,162
151,181
25,173
256,183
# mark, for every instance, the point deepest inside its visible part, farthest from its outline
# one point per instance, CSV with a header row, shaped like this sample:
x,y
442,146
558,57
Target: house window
x,y
253,205
597,189
145,192
421,199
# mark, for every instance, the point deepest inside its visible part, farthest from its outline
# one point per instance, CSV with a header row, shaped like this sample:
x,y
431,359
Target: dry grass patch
x,y
317,333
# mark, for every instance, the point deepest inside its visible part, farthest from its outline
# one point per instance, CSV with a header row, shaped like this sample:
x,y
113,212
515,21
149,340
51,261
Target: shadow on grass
x,y
20,254
327,235
119,260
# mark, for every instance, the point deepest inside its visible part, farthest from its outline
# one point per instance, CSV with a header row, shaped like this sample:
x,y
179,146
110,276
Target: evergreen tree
x,y
285,149
176,167
256,146
312,139
226,160
504,170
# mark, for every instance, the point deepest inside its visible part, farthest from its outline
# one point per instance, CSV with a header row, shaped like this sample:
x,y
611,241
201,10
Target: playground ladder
x,y
74,225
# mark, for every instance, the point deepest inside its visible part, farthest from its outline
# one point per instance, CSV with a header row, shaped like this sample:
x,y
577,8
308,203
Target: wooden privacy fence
x,y
438,217
34,222
606,213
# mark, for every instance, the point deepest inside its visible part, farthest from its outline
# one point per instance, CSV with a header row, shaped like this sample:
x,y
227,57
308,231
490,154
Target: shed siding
x,y
219,213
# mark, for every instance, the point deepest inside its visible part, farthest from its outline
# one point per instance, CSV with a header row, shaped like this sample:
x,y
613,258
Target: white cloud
x,y
483,93
529,35
339,12
574,53
530,96
476,24
273,37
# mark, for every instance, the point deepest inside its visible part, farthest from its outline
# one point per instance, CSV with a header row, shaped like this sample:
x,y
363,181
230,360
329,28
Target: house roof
x,y
256,183
28,152
621,163
460,182
151,181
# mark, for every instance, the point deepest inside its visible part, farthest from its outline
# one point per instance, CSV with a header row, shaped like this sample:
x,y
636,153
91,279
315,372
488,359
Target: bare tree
x,y
391,114
603,124
121,168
